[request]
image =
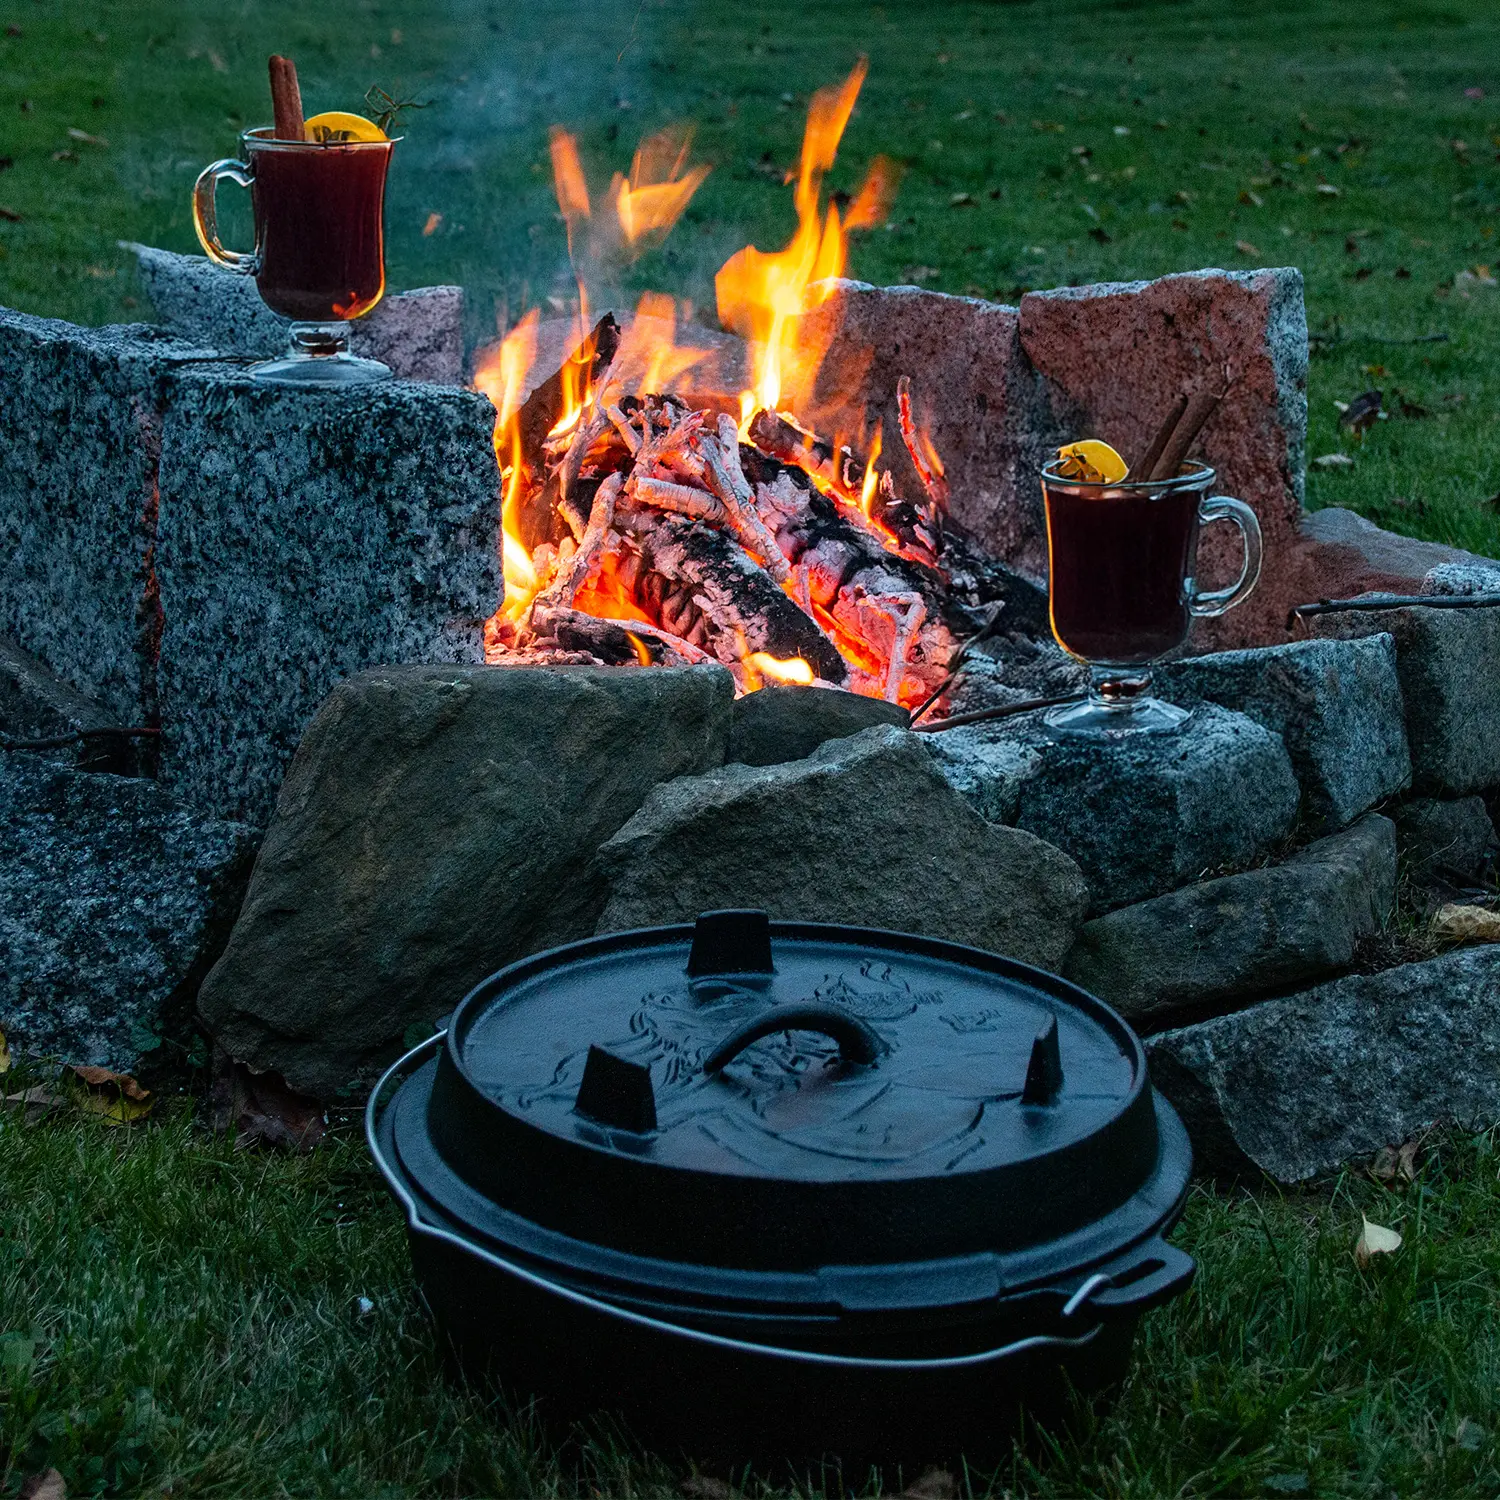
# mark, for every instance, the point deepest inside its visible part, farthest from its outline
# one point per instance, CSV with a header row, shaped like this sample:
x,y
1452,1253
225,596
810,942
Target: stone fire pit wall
x,y
208,554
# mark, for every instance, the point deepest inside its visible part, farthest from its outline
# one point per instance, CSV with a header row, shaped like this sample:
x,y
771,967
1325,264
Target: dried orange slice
x,y
338,125
1099,457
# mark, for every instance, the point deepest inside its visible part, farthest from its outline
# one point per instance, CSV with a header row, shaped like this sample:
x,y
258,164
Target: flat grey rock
x,y
1444,838
418,334
1116,355
1140,815
864,831
114,900
787,723
36,704
1230,940
1299,1086
1336,705
1448,661
1474,577
436,824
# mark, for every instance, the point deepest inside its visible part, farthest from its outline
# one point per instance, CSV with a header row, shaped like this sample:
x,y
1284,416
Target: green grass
x,y
178,1315
1223,106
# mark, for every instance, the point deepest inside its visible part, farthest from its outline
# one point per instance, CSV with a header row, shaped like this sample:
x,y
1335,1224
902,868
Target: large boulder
x,y
1141,815
864,831
788,723
1225,941
1296,1087
114,900
437,823
1336,705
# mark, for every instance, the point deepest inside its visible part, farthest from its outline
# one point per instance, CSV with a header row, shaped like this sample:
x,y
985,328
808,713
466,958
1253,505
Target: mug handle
x,y
1225,508
206,221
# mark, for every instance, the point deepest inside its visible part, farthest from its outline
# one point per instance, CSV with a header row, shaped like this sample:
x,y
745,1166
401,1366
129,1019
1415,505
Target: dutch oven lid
x,y
761,1094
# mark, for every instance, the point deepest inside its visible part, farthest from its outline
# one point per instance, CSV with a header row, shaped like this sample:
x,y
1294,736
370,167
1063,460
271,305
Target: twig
x,y
728,482
958,660
684,499
1340,337
1391,601
1003,711
935,484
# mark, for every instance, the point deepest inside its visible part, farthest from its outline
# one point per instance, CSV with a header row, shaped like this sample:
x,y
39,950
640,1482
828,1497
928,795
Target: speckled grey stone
x,y
114,899
1336,705
1448,661
1116,355
1140,815
863,831
437,824
1229,940
303,536
786,723
973,391
1298,1087
1463,578
80,437
419,334
1449,839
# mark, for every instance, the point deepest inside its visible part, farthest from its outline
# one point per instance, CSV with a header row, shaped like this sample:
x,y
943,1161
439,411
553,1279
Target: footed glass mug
x,y
1122,591
319,256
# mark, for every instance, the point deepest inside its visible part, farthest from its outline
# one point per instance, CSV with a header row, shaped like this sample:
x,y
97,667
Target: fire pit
x,y
787,1188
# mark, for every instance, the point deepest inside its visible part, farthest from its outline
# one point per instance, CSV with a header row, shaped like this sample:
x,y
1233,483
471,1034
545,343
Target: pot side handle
x,y
1155,1273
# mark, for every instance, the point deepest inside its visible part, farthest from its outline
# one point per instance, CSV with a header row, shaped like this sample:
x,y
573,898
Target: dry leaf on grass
x,y
262,1109
36,1101
47,1485
935,1484
115,1097
1375,1239
4,1054
1456,923
1392,1162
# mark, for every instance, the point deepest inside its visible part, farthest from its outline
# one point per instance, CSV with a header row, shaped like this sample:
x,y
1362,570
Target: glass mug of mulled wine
x,y
319,256
1122,591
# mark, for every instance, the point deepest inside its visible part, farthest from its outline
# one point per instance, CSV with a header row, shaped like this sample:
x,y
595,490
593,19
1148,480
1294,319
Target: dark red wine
x,y
1118,568
319,217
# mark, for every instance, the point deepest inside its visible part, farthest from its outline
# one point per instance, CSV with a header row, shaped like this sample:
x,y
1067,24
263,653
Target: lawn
x,y
178,1315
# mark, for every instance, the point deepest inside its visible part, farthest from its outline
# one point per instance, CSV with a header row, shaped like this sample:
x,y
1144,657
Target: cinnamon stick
x,y
286,99
1199,410
1142,469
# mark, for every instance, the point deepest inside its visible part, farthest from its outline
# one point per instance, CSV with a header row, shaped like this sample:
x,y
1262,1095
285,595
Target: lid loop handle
x,y
858,1041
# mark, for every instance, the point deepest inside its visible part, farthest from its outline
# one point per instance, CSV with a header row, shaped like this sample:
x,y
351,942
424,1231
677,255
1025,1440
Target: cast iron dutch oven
x,y
787,1188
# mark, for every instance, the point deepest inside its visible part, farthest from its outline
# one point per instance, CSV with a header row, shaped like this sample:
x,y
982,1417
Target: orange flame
x,y
792,670
872,478
502,377
761,294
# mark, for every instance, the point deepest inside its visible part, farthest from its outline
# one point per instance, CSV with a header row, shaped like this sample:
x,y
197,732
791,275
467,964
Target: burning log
x,y
780,437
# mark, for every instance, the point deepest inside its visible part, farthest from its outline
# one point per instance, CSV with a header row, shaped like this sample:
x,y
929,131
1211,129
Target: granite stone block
x,y
1140,815
1336,705
303,536
419,334
1226,941
1448,662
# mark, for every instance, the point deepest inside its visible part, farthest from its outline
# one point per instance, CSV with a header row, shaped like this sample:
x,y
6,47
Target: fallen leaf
x,y
1246,248
217,63
964,114
1375,1239
1328,190
1469,1435
47,1485
1334,461
1406,1160
1253,199
1122,130
11,29
4,1054
64,156
1378,371
74,134
1100,233
1474,93
935,1484
262,1109
36,1101
1363,412
919,274
961,200
115,1097
1466,924
431,226
1383,1168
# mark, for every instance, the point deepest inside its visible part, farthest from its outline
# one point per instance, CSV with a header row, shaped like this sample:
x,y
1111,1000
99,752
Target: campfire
x,y
673,496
